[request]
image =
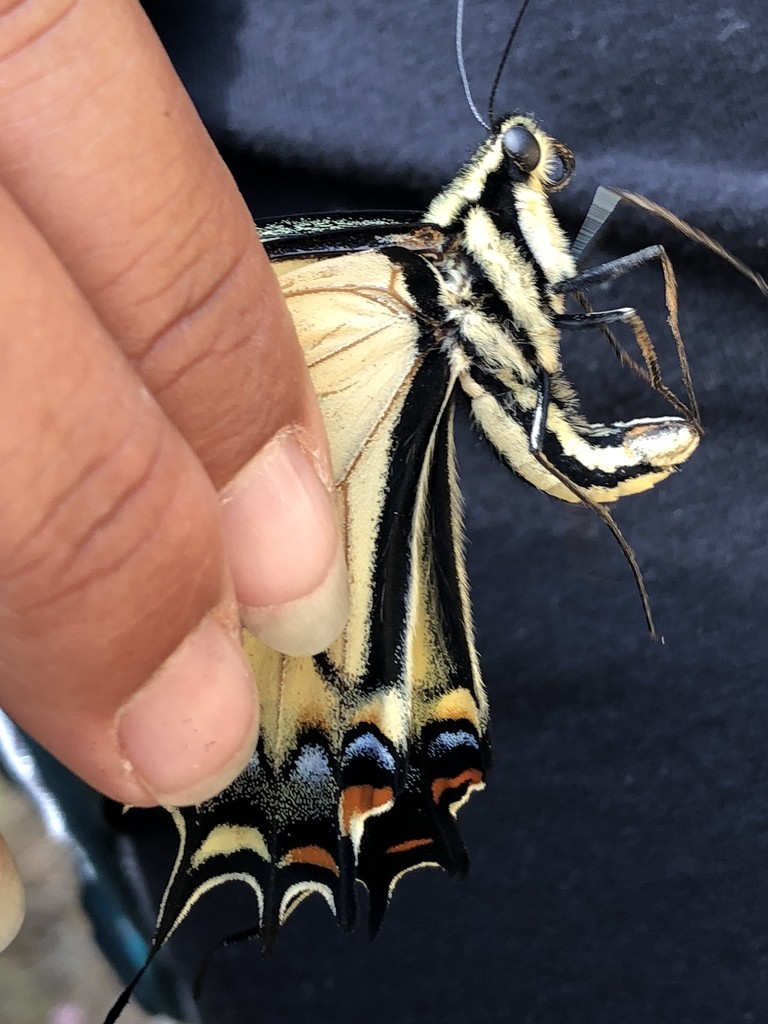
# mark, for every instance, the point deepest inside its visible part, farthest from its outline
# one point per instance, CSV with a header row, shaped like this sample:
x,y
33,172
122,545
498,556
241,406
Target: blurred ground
x,y
53,972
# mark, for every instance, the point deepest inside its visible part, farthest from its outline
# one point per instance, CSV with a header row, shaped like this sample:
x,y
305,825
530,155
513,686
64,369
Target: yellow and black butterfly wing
x,y
448,750
367,749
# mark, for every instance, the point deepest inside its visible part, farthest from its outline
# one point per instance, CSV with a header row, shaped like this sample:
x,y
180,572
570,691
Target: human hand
x,y
162,453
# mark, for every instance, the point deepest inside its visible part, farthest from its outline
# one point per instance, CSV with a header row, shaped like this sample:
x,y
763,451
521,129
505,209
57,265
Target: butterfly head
x,y
527,154
517,162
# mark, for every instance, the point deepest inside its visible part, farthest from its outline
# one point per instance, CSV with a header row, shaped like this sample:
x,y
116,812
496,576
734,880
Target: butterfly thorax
x,y
507,249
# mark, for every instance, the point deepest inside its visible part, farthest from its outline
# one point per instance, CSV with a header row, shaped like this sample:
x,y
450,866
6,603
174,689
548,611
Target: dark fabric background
x,y
619,852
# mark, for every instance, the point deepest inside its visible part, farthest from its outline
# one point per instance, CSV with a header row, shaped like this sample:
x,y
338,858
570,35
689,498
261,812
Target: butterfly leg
x,y
611,270
594,318
652,373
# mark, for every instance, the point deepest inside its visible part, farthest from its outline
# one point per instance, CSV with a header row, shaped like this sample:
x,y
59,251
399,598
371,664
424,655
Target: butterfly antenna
x,y
462,67
504,59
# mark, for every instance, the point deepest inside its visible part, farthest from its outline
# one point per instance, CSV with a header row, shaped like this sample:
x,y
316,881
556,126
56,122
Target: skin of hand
x,y
165,470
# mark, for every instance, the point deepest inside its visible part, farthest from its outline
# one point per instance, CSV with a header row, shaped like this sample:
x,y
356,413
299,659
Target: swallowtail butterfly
x,y
369,749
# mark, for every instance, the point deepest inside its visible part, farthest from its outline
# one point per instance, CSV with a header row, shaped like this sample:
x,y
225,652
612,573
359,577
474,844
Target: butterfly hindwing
x,y
368,748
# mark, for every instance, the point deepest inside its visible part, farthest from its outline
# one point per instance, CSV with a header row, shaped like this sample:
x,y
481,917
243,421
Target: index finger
x,y
101,147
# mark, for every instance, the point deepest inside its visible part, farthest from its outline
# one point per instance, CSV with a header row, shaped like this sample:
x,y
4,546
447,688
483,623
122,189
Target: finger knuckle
x,y
86,546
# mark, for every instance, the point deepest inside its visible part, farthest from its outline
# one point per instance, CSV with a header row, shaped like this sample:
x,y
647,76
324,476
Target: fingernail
x,y
192,728
285,553
11,897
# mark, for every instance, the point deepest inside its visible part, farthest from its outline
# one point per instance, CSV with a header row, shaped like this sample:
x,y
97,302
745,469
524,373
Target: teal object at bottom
x,y
74,813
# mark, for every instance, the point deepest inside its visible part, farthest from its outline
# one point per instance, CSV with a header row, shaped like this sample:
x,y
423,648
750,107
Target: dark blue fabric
x,y
670,99
619,852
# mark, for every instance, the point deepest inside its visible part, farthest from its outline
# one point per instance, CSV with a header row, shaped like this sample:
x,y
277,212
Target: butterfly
x,y
369,749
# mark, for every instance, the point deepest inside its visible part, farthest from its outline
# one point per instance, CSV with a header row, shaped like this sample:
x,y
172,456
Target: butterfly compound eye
x,y
521,147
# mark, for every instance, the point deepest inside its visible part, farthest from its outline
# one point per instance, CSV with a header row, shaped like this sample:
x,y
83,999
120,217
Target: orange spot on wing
x,y
314,855
472,775
359,800
410,844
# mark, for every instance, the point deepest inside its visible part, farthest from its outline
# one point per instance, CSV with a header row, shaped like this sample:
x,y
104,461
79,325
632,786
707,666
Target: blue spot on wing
x,y
447,742
368,746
